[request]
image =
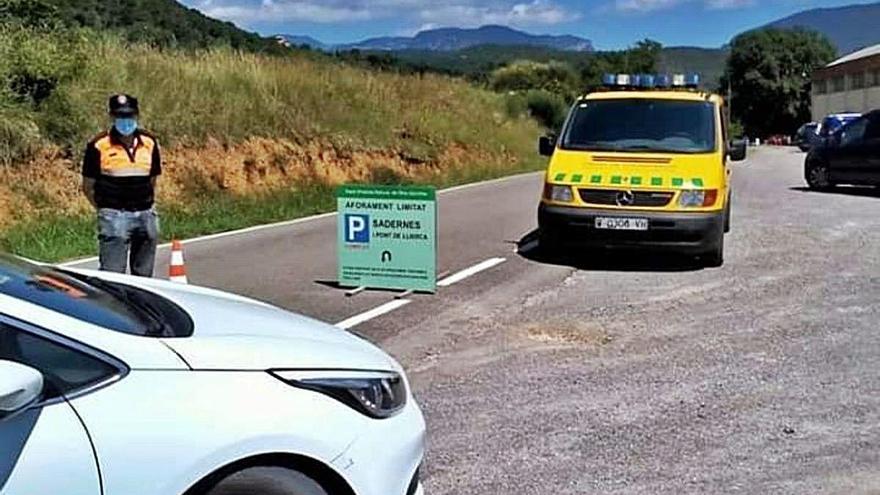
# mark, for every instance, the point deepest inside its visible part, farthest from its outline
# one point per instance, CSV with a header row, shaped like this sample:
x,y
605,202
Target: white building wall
x,y
855,100
872,98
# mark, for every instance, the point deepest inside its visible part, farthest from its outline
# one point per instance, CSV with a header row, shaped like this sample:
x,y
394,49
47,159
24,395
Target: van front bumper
x,y
687,233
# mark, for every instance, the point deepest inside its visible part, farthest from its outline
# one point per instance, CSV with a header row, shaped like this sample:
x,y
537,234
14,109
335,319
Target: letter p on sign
x,y
357,229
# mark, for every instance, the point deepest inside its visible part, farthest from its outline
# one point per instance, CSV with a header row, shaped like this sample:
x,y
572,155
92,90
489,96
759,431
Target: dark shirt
x,y
123,176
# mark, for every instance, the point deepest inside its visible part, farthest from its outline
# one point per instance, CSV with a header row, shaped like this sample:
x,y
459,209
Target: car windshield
x,y
835,123
639,125
114,306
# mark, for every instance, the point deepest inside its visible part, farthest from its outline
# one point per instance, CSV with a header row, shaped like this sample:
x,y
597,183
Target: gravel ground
x,y
626,374
639,374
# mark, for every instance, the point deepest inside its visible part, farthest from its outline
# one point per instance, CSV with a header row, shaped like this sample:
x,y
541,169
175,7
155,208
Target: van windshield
x,y
641,125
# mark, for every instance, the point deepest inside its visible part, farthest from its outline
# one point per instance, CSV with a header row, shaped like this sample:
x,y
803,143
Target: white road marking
x,y
399,303
373,313
286,223
469,272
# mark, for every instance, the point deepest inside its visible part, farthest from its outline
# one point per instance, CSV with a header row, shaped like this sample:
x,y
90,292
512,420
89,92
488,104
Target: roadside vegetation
x,y
248,137
542,82
769,72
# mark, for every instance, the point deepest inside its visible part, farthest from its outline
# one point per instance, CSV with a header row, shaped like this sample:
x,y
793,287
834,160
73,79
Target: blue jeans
x,y
128,238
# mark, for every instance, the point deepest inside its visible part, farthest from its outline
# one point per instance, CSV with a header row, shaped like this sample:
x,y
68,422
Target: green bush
x,y
19,134
554,77
35,65
548,108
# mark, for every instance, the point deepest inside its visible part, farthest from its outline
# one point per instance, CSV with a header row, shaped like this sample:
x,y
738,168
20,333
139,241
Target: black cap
x,y
123,105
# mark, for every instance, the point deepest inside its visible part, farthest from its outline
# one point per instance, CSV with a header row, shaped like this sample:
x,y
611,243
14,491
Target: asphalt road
x,y
629,373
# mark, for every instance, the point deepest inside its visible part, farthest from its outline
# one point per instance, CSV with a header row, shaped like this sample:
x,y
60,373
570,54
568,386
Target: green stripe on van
x,y
596,179
577,178
677,181
636,181
698,182
656,181
616,179
559,177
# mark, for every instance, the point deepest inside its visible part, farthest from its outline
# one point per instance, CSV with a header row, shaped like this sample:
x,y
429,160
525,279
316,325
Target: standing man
x,y
120,170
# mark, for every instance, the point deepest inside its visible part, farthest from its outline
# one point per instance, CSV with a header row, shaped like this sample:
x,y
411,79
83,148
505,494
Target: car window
x,y
642,124
109,305
65,370
853,133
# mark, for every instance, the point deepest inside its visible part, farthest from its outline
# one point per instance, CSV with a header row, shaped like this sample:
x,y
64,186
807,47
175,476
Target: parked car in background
x,y
807,136
849,156
834,122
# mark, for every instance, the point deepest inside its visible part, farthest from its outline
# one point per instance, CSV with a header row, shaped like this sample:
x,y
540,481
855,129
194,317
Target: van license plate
x,y
617,223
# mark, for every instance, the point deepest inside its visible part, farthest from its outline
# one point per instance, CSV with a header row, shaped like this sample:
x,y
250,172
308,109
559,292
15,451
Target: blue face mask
x,y
126,126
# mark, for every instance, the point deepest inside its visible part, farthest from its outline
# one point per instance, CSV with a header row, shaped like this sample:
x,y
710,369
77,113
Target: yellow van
x,y
641,163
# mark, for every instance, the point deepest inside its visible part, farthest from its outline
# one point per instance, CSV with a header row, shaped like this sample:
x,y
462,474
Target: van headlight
x,y
378,394
697,198
561,194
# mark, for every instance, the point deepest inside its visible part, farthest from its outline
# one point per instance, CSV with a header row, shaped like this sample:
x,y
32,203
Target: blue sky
x,y
609,23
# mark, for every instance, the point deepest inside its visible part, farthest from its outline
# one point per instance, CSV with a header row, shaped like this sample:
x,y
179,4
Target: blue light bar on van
x,y
650,81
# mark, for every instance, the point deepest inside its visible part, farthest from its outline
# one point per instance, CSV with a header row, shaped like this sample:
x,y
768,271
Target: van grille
x,y
609,197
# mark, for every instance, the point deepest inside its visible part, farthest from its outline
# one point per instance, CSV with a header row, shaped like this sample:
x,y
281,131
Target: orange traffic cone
x,y
177,268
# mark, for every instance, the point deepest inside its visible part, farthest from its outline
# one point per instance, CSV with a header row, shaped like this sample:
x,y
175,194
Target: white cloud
x,y
537,12
729,4
285,11
643,6
426,12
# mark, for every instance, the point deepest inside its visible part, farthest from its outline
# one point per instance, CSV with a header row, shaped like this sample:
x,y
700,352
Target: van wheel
x,y
727,214
715,257
548,241
267,480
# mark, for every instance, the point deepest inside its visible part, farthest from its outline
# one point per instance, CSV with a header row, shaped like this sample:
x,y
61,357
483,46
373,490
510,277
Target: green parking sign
x,y
387,237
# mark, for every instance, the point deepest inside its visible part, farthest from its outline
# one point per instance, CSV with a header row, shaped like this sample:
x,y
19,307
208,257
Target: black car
x,y
807,136
851,155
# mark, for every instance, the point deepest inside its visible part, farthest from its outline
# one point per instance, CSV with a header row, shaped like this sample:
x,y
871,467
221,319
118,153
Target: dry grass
x,y
242,129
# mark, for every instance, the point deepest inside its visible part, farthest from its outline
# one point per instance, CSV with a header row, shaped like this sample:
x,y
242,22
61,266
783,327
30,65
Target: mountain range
x,y
850,27
453,39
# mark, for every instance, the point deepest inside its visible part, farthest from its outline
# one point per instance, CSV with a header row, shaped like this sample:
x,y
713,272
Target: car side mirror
x,y
737,150
547,145
20,387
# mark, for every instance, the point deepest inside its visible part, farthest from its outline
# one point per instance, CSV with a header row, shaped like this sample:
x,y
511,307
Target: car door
x,y
46,450
872,151
847,156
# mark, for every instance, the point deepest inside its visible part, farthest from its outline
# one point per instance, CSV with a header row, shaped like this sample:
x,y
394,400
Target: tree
x,y
769,72
643,58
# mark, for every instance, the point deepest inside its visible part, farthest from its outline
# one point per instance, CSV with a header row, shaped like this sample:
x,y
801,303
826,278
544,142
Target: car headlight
x,y
378,394
562,194
697,198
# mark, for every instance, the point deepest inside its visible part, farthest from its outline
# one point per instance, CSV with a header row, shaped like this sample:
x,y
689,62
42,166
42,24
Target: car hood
x,y
241,335
236,333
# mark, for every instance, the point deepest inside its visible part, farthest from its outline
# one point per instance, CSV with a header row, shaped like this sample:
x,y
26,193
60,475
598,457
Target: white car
x,y
114,385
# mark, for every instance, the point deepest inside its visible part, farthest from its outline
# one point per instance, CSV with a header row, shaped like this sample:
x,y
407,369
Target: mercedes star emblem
x,y
625,198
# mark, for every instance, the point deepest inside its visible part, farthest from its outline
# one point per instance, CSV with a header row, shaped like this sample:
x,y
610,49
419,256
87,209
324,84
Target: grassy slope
x,y
250,139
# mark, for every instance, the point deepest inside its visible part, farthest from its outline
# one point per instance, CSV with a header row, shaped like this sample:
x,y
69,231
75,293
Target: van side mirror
x,y
547,145
20,387
737,150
